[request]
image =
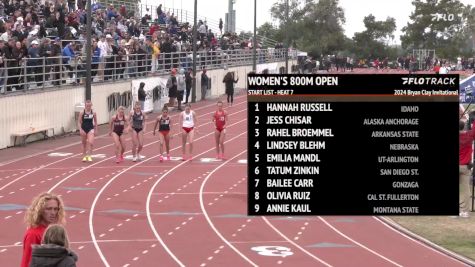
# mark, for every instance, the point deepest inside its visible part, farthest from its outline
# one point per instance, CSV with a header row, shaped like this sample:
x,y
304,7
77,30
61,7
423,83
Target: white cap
x,y
34,42
109,36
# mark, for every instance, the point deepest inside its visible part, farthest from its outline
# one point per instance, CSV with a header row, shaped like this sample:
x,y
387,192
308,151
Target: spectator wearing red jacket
x,y
465,158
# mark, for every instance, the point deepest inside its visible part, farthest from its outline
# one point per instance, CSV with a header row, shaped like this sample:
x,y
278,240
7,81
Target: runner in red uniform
x,y
220,117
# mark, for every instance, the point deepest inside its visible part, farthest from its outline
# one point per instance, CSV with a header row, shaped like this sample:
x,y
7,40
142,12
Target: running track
x,y
186,213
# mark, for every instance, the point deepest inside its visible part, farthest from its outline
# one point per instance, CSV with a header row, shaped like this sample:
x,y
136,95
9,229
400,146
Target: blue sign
x,y
467,90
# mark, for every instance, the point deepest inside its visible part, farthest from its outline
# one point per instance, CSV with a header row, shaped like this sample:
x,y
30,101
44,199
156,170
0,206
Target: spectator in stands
x,y
221,25
72,5
465,159
68,57
44,210
54,249
34,63
159,11
56,54
96,53
2,65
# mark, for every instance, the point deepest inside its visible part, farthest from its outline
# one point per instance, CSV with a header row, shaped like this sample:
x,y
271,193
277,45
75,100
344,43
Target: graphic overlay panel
x,y
353,144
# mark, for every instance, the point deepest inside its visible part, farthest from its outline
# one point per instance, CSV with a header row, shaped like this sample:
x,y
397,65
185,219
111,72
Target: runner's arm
x,y
95,124
157,120
81,114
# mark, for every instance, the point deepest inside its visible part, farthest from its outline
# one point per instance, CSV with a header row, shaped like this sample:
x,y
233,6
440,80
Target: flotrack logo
x,y
428,81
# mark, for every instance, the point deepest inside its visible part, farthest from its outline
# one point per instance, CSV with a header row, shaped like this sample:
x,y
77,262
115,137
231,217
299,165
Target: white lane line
x,y
149,217
295,244
203,209
357,243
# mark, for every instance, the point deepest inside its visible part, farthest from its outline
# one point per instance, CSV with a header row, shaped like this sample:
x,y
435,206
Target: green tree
x,y
315,27
373,42
267,30
441,25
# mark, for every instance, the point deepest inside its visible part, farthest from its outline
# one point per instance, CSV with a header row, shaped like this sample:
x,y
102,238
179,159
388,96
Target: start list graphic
x,y
353,144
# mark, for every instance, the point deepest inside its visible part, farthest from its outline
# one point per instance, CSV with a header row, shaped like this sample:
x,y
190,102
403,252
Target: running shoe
x,y
464,214
117,160
218,156
89,158
139,158
122,157
84,159
183,158
161,158
190,158
134,159
222,157
168,157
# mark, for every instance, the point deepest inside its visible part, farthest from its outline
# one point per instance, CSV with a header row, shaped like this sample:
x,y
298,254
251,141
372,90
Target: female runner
x,y
164,128
137,121
87,124
220,117
116,130
188,121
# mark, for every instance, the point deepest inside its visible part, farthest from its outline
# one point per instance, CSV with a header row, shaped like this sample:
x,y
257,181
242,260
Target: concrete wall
x,y
56,107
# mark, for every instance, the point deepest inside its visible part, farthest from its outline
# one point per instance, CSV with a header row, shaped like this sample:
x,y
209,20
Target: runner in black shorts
x,y
137,121
117,129
87,125
164,129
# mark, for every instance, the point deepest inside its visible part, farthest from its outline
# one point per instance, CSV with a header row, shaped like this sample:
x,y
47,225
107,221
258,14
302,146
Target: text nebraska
x,y
288,145
396,210
403,146
293,158
278,195
296,170
288,208
395,134
289,183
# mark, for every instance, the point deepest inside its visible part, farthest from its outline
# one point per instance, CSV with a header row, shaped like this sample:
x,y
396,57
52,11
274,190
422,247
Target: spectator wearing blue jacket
x,y
68,57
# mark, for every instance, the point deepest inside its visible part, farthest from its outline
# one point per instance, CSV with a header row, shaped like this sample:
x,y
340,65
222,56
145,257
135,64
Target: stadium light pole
x,y
88,50
193,90
254,45
286,54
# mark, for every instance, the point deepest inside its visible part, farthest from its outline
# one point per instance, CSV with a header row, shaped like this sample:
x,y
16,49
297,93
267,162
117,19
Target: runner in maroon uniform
x,y
164,128
117,129
220,117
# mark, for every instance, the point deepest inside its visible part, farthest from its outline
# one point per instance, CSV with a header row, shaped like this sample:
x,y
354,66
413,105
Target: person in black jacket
x,y
229,81
142,95
204,84
188,81
54,249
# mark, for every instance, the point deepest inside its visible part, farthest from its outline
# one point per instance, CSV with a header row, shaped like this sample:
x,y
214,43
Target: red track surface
x,y
185,213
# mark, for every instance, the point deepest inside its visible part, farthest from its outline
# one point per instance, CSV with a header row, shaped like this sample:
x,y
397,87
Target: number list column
x,y
256,183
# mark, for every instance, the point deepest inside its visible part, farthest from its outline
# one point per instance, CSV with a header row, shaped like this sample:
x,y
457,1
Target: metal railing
x,y
46,72
183,15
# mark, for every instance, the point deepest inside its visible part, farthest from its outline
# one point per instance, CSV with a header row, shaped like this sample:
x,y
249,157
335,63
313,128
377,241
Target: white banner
x,y
156,83
271,67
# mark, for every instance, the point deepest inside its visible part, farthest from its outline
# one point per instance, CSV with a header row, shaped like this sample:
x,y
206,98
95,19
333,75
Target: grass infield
x,y
455,234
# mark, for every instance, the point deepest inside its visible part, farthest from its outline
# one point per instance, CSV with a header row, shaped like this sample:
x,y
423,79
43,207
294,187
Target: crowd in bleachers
x,y
45,43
